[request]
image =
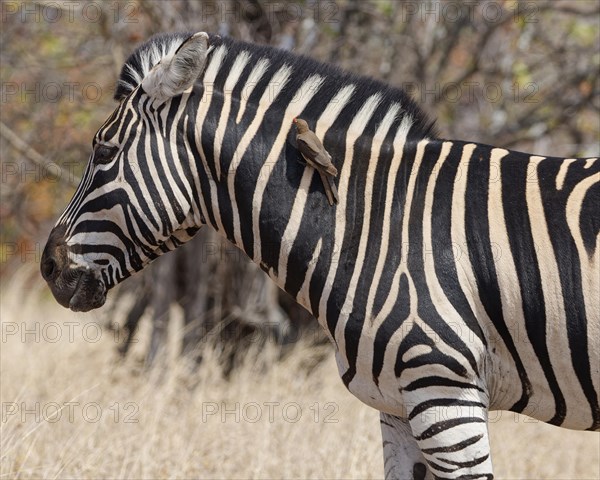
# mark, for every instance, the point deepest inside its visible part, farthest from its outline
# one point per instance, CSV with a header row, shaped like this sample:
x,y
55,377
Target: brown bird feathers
x,y
313,151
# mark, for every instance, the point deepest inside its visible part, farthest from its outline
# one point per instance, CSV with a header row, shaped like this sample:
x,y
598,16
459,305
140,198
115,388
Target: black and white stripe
x,y
452,277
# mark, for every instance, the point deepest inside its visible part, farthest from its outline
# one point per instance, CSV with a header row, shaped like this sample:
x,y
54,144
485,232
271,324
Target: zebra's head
x,y
129,208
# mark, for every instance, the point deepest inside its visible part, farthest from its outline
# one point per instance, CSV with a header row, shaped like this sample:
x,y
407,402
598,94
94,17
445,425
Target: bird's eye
x,y
104,154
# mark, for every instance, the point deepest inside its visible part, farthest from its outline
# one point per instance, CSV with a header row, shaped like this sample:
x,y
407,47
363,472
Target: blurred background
x,y
517,74
520,75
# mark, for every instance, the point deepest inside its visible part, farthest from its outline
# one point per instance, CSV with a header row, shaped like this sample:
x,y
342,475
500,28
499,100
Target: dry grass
x,y
126,425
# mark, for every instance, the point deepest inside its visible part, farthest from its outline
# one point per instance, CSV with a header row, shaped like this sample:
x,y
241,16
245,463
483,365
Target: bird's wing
x,y
310,138
307,147
323,159
316,152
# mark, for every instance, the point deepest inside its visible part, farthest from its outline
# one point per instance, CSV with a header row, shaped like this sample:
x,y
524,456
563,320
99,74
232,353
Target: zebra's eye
x,y
104,154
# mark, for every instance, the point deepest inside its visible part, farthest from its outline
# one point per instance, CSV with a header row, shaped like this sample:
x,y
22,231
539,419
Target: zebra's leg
x,y
402,458
450,427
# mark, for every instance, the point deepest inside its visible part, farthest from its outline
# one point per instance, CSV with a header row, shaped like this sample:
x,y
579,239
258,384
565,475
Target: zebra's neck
x,y
255,190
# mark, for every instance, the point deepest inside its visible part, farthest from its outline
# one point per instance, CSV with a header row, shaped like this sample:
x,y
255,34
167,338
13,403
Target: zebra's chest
x,y
383,395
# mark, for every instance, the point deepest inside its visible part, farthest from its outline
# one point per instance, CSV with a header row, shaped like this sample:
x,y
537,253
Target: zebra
x,y
453,278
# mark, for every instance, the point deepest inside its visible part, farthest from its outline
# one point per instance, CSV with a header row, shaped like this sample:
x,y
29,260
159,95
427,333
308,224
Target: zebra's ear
x,y
177,72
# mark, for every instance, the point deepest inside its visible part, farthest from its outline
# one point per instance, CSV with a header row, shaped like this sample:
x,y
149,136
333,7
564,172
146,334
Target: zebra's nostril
x,y
48,268
419,471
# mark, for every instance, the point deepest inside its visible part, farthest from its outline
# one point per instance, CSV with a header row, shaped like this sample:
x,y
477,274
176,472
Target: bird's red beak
x,y
295,120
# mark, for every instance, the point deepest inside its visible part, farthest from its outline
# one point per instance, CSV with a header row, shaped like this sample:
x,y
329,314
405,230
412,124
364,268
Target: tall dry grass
x,y
70,409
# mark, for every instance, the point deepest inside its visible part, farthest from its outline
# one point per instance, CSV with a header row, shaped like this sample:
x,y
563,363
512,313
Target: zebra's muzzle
x,y
79,288
89,293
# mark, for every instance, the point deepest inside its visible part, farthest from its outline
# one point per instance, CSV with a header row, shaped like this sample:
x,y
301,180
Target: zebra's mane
x,y
141,61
